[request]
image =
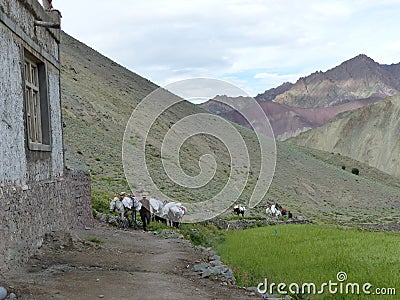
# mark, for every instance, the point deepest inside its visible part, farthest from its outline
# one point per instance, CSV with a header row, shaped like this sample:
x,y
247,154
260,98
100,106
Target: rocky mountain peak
x,y
357,78
362,57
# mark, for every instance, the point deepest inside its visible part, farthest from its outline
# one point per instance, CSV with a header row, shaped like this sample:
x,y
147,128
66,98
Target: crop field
x,y
316,254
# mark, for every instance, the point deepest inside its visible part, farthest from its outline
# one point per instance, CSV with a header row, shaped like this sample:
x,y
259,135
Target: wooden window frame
x,y
36,104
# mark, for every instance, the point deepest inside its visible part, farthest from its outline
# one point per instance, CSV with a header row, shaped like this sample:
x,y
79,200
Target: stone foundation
x,y
28,212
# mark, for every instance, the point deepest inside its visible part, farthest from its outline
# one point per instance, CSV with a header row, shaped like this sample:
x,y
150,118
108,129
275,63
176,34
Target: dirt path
x,y
129,265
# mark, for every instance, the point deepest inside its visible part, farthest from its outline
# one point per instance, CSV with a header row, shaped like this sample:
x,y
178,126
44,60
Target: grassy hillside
x,y
98,97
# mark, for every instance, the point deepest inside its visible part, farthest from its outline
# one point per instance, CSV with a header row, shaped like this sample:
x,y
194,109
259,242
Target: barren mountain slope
x,y
370,135
98,97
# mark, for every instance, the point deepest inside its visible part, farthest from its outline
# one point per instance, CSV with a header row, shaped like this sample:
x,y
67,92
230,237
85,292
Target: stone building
x,y
37,193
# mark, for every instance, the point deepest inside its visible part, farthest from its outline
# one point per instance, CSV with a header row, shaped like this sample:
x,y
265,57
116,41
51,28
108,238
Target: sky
x,y
253,44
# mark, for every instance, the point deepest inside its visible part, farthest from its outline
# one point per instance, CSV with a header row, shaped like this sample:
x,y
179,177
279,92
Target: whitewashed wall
x,y
12,135
18,165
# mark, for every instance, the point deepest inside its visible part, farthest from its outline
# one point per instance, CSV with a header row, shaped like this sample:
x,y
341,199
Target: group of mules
x,y
277,211
170,213
273,210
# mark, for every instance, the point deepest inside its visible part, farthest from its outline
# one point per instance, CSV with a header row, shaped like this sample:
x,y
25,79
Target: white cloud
x,y
165,40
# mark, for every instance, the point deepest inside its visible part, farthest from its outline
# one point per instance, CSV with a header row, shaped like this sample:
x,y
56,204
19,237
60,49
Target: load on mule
x,y
173,213
156,207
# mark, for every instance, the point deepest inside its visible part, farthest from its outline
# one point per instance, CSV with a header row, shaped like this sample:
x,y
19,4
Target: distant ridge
x,y
315,99
288,121
357,78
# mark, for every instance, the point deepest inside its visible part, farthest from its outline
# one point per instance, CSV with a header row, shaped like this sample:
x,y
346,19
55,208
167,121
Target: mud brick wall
x,y
30,211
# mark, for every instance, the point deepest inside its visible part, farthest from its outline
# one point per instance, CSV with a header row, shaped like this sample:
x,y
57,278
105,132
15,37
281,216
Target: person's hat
x,y
122,193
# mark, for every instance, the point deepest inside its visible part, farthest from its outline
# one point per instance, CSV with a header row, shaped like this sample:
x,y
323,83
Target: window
x,y
37,105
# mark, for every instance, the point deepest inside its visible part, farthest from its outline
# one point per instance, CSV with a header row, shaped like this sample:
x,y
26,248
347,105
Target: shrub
x,y
355,171
343,167
95,240
100,202
205,234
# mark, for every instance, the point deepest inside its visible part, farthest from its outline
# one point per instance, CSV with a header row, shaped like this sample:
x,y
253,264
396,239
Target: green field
x,y
314,254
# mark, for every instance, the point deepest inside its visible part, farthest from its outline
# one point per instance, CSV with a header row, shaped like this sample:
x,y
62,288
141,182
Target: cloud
x,y
273,79
236,39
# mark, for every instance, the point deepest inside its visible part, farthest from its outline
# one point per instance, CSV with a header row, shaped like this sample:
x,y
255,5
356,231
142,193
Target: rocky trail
x,y
105,262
